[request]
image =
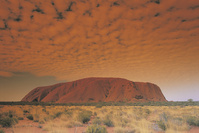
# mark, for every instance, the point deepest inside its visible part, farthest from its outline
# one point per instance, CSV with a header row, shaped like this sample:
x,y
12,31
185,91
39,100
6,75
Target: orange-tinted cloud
x,y
6,74
145,40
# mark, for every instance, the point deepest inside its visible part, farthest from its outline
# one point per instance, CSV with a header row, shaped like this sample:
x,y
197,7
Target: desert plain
x,y
98,119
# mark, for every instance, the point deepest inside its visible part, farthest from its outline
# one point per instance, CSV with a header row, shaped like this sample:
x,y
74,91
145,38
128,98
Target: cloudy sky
x,y
51,41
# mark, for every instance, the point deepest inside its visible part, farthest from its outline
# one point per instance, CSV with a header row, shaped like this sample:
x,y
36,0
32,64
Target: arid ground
x,y
111,119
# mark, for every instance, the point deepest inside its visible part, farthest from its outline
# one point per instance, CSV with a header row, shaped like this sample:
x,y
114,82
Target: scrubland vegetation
x,y
99,118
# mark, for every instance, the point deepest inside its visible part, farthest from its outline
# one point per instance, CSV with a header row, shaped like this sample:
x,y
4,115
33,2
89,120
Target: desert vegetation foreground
x,y
98,119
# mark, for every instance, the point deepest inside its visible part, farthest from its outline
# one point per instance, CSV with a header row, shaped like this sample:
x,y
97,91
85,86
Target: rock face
x,y
96,90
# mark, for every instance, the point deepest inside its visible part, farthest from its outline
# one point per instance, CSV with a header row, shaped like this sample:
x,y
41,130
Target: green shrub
x,y
108,122
96,129
10,113
99,105
84,116
68,113
25,111
197,122
58,114
7,121
40,126
30,117
193,121
97,121
20,118
190,100
41,122
95,113
44,110
162,125
147,111
2,131
163,117
35,120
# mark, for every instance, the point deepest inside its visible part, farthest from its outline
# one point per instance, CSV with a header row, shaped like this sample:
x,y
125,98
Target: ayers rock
x,y
96,90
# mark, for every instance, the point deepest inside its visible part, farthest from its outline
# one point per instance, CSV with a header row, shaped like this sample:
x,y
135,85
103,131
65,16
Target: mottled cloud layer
x,y
6,74
145,40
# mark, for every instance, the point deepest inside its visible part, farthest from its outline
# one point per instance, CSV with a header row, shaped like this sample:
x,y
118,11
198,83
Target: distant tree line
x,y
100,104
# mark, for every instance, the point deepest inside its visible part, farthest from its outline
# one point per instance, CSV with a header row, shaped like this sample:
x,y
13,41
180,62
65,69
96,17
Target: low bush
x,y
69,113
20,118
2,131
30,117
84,116
41,122
164,117
40,126
162,125
9,114
35,120
108,122
7,121
97,121
147,111
99,105
193,121
44,110
25,111
96,129
95,113
58,114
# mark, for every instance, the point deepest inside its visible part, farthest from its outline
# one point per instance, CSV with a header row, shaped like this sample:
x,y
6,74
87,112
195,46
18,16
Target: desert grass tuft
x,y
96,129
2,131
84,116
